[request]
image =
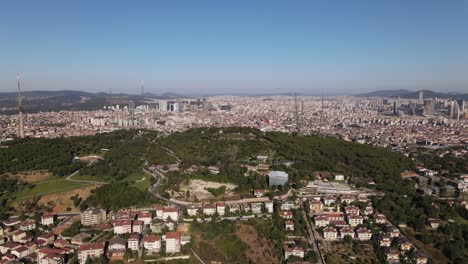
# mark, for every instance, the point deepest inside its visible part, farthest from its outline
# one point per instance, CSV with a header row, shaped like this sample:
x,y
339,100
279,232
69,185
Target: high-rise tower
x,y
20,110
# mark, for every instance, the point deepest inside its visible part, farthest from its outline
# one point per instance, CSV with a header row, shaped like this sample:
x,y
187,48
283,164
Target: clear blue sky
x,y
198,46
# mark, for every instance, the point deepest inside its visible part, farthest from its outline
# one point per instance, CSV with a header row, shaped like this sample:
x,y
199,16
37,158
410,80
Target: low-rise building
x,y
364,234
321,220
286,214
294,251
209,209
355,220
145,217
118,244
269,207
220,208
192,210
90,251
346,231
122,227
256,208
171,212
152,244
138,227
47,219
330,233
289,225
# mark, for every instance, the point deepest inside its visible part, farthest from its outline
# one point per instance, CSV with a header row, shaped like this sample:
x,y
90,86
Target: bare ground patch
x,y
60,201
33,176
197,188
259,250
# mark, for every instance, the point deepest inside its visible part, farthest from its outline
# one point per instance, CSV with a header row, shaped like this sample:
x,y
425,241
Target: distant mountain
x,y
415,94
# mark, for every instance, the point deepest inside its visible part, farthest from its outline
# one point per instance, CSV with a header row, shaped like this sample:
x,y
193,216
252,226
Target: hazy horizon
x,y
212,47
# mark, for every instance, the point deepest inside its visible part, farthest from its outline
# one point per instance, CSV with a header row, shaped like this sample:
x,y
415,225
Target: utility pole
x,y
20,110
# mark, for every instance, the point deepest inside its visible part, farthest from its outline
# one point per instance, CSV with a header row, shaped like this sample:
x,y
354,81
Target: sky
x,y
239,47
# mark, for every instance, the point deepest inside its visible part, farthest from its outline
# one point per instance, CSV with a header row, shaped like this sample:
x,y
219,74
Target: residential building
x,y
93,216
146,217
171,212
123,227
220,208
346,231
192,210
364,234
90,251
152,243
138,227
157,225
269,207
47,219
209,209
118,244
355,220
173,242
352,210
289,225
294,251
133,242
330,233
256,208
286,214
321,221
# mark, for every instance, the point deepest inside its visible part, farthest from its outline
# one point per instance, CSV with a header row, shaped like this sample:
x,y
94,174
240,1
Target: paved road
x,y
69,178
313,238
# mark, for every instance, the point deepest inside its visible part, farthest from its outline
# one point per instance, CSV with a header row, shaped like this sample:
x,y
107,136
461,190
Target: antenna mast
x,y
20,110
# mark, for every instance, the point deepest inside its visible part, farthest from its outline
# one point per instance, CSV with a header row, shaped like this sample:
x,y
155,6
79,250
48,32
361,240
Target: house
x,y
286,214
48,238
346,231
364,234
192,210
392,254
385,241
369,209
330,233
289,225
145,217
93,216
352,210
159,212
79,238
171,212
258,193
9,246
173,242
234,208
380,218
329,200
122,227
287,205
339,223
47,219
262,158
90,251
295,251
420,257
355,220
11,222
256,208
339,177
220,208
321,220
209,209
133,242
138,227
335,216
157,225
152,243
269,207
404,244
393,232
46,255
346,199
20,252
434,223
118,244
315,206
18,235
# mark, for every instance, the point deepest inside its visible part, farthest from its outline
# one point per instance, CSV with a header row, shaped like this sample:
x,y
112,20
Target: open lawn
x,y
46,187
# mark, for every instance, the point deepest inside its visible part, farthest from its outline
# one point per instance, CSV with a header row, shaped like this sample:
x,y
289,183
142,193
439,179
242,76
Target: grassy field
x,y
218,242
140,180
79,176
49,186
339,252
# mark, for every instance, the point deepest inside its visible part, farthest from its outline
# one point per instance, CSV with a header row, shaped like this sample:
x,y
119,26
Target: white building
x,y
172,242
152,243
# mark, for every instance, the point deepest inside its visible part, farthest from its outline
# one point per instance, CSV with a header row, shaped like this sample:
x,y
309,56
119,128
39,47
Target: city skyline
x,y
244,48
